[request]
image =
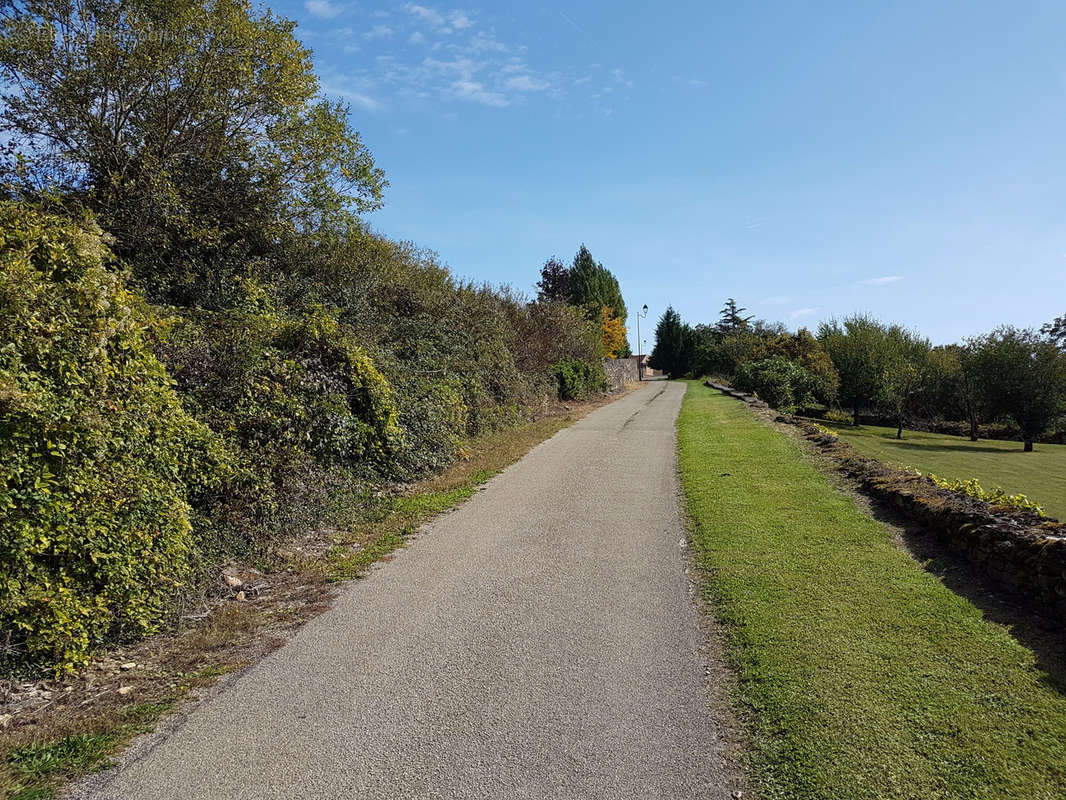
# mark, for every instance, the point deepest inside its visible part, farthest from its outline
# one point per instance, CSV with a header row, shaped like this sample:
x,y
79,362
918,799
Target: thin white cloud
x,y
322,8
463,61
357,99
570,22
459,20
476,93
428,15
802,312
379,32
524,83
882,281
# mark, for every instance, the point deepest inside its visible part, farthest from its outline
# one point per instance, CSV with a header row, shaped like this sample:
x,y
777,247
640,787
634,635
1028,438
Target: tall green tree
x,y
1024,378
1056,331
193,129
731,318
593,286
672,352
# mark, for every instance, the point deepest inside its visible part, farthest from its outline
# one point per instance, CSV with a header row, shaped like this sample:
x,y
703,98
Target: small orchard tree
x,y
864,352
906,373
1023,377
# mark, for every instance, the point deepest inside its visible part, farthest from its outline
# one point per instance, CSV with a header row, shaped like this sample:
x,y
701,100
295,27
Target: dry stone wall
x,y
620,372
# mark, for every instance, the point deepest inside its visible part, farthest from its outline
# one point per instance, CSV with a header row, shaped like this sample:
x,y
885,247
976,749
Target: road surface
x,y
539,642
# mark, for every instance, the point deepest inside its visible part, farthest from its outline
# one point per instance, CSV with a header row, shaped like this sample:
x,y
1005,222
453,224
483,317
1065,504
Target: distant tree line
x,y
869,367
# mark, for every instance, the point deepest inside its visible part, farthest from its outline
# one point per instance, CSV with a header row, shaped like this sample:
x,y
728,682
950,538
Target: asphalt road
x,y
539,642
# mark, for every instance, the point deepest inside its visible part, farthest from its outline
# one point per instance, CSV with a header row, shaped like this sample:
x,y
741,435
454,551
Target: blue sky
x,y
811,159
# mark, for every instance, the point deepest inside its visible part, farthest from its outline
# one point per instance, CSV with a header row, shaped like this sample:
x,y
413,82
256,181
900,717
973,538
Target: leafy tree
x,y
1056,331
593,286
730,318
672,352
952,389
194,130
1024,377
614,334
554,283
866,354
906,373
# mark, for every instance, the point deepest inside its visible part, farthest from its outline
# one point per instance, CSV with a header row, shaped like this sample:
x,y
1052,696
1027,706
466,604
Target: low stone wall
x,y
1015,547
620,372
750,399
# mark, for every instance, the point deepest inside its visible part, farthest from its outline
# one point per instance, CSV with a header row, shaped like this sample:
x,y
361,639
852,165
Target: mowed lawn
x,y
1040,475
864,676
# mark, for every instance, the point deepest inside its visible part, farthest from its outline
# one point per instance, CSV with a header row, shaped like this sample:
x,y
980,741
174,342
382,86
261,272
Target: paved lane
x,y
538,642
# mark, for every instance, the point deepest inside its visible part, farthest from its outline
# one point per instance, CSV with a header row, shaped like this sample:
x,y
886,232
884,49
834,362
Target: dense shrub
x,y
780,382
579,379
299,402
98,460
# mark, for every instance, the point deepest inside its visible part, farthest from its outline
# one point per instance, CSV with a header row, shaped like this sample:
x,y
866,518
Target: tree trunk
x,y
856,410
899,430
1028,448
973,427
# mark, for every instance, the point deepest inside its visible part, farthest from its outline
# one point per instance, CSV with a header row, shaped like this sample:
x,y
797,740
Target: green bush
x,y
299,402
578,379
780,382
98,460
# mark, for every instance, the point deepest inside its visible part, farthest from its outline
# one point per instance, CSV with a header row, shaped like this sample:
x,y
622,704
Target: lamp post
x,y
640,356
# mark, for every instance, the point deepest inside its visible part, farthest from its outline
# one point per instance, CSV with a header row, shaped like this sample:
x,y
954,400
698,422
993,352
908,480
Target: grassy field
x,y
1041,475
865,677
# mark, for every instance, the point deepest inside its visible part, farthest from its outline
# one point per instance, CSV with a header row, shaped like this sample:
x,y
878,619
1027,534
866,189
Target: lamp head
x,y
645,308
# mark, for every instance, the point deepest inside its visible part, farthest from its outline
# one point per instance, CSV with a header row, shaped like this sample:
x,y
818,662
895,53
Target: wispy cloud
x,y
323,8
431,55
444,22
378,32
525,83
802,312
882,281
475,92
428,15
357,99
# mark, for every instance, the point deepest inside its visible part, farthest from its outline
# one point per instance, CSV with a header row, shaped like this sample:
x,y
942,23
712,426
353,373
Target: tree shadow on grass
x,y
930,447
1033,625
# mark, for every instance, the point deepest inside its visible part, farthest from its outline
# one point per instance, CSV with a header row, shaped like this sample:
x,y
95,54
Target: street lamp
x,y
640,356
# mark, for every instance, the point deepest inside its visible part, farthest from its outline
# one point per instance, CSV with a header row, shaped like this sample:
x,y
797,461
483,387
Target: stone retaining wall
x,y
620,372
1015,547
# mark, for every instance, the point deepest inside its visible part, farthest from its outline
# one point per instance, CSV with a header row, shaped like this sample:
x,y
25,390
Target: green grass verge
x,y
865,677
1040,475
41,767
